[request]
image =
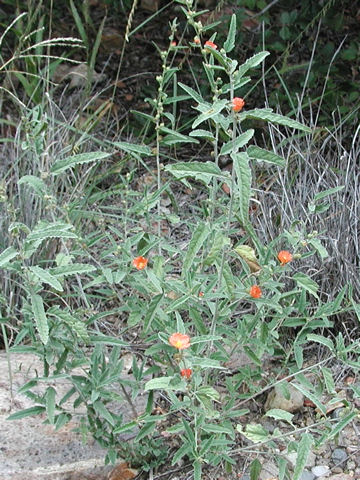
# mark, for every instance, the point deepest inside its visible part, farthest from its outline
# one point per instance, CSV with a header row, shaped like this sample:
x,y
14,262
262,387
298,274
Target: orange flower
x,y
186,372
284,257
255,291
179,341
140,263
210,44
201,294
238,104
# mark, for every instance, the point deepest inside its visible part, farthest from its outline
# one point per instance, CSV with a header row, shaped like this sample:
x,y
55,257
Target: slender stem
x,y
6,344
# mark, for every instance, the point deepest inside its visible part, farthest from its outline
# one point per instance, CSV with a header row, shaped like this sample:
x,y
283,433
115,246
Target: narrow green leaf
x,y
218,243
72,269
7,255
76,325
197,470
234,145
214,110
103,412
279,414
36,183
194,95
161,383
37,410
312,337
50,404
342,424
202,133
310,396
243,185
197,240
251,63
302,454
46,230
251,354
173,137
69,162
229,44
46,277
125,428
267,115
258,153
40,318
202,171
255,469
152,311
306,282
326,193
328,379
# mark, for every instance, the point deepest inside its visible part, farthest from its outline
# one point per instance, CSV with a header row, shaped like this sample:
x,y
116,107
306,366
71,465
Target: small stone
x,y
321,470
336,470
276,399
291,458
269,471
351,465
306,475
338,456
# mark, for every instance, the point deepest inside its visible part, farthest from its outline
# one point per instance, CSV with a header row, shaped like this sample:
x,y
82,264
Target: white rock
x,y
321,471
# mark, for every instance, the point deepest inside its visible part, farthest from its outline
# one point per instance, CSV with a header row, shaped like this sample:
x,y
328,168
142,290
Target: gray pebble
x,y
320,470
339,455
306,475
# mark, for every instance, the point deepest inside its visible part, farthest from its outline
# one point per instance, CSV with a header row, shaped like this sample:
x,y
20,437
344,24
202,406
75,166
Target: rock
x,y
306,475
351,465
340,476
321,470
338,456
276,399
269,471
291,458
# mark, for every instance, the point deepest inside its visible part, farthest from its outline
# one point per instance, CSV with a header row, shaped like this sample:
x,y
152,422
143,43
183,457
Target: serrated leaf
x,y
51,230
36,183
7,255
242,185
306,282
258,153
46,277
214,110
75,324
251,63
310,396
197,240
234,145
279,414
161,383
302,454
194,95
328,379
202,133
202,171
40,318
255,469
72,269
267,115
70,162
230,41
312,337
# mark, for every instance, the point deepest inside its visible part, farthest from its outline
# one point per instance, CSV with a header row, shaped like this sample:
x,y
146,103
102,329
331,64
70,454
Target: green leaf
x,y
279,414
243,185
72,269
312,337
152,311
321,250
251,63
251,354
218,244
103,412
162,383
267,115
230,41
40,318
197,470
258,153
326,193
37,410
234,145
214,110
302,454
69,162
46,277
213,428
76,325
197,240
202,133
50,404
255,469
310,396
51,230
36,183
328,379
342,424
7,255
173,137
306,282
125,428
202,171
194,95
254,432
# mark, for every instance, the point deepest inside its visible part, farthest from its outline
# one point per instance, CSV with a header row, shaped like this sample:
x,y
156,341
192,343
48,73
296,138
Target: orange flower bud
x,y
140,263
210,44
197,40
237,104
173,44
255,291
201,294
179,341
284,257
186,372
